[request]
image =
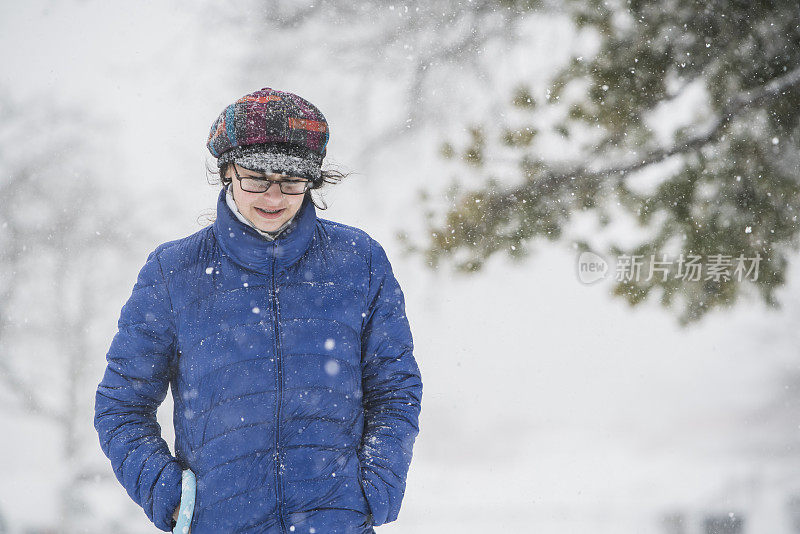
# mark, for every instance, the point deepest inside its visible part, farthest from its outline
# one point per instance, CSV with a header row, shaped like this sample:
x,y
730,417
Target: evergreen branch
x,y
734,107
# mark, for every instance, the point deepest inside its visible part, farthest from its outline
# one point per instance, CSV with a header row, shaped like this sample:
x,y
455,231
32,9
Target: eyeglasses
x,y
292,186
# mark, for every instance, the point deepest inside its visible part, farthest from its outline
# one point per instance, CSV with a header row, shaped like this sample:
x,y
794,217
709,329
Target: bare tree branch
x,y
472,40
26,394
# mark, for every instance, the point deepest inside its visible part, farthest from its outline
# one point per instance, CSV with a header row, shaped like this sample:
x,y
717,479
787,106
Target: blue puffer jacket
x,y
297,395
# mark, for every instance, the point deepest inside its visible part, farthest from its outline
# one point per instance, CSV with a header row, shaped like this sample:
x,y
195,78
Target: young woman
x,y
285,341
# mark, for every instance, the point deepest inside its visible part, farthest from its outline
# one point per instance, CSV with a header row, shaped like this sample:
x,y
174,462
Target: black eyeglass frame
x,y
280,183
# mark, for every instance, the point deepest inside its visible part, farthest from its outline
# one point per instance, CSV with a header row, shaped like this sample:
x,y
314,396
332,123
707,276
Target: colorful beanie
x,y
271,131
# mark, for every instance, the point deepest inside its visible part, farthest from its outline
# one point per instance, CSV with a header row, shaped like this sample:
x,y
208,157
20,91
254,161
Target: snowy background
x,y
548,406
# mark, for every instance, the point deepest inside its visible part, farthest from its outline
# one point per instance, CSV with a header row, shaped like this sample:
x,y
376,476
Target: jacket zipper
x,y
279,374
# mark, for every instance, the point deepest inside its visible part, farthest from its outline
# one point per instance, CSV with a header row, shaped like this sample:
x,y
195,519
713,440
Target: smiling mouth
x,y
269,214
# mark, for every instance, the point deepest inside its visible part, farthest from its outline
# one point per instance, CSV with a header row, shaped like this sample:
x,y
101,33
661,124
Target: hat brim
x,y
271,160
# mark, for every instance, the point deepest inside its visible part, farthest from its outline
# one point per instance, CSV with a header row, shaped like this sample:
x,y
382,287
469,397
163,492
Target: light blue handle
x,y
188,489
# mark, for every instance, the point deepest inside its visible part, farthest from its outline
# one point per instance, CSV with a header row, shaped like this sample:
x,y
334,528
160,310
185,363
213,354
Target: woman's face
x,y
254,205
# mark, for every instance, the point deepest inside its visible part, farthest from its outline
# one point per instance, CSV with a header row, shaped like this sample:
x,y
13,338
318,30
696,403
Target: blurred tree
x,y
723,181
411,43
61,250
614,103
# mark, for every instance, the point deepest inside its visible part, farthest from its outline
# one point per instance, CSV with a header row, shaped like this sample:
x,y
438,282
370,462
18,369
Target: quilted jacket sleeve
x,y
392,392
134,385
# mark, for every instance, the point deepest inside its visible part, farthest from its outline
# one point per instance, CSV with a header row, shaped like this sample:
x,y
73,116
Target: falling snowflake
x,y
332,367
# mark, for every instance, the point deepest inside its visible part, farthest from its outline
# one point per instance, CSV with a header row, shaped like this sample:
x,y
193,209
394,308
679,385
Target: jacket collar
x,y
244,245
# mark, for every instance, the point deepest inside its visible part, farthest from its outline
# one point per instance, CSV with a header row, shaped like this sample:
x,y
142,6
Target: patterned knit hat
x,y
271,131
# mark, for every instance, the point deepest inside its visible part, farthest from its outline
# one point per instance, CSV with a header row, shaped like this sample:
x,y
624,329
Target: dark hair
x,y
220,177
